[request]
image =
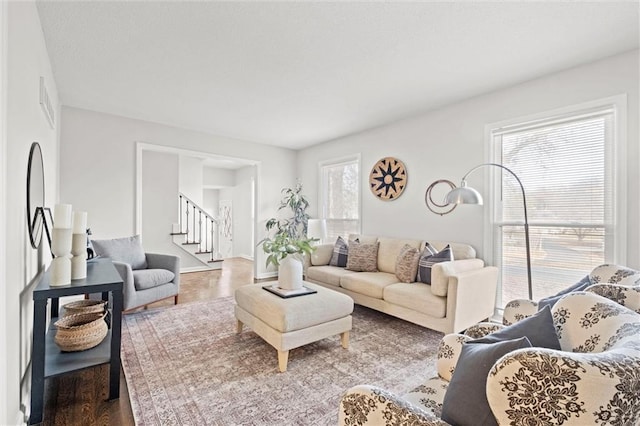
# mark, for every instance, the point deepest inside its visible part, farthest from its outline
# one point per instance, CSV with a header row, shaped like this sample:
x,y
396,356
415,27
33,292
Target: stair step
x,y
202,252
178,233
190,243
216,260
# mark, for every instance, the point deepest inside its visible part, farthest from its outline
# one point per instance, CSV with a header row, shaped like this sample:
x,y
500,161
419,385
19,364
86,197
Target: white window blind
x,y
566,168
340,182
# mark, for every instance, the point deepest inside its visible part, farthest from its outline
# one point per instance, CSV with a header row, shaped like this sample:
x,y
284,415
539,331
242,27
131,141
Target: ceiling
x,y
294,74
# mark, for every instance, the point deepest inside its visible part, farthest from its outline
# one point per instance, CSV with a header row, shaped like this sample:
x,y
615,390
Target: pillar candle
x,y
62,216
79,222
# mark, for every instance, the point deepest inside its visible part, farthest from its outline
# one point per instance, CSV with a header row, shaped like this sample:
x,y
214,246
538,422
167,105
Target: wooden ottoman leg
x,y
239,327
344,339
283,358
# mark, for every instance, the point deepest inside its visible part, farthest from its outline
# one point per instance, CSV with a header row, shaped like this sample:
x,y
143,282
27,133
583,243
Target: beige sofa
x,y
462,292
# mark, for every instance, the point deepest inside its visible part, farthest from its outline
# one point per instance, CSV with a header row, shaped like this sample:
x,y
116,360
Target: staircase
x,y
197,233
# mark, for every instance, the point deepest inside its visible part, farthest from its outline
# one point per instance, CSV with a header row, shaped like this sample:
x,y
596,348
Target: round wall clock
x,y
388,178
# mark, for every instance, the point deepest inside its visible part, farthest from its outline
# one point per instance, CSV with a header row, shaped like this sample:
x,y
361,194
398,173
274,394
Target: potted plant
x,y
288,241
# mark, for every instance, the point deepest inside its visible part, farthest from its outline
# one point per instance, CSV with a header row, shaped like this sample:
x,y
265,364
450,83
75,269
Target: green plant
x,y
289,235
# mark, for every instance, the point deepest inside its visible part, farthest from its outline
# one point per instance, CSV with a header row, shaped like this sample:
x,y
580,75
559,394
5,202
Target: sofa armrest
x,y
440,273
538,385
471,297
517,310
369,405
124,269
165,261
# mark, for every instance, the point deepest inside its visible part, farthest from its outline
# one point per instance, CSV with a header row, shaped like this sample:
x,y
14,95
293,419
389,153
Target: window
x,y
340,193
567,166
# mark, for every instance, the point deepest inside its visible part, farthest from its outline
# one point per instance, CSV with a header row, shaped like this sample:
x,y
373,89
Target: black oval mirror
x,y
35,195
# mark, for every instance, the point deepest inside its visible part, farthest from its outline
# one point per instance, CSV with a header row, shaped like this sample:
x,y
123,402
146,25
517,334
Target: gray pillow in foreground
x,y
538,328
128,250
465,402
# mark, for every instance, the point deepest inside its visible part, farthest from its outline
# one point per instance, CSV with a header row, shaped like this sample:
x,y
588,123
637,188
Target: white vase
x,y
290,273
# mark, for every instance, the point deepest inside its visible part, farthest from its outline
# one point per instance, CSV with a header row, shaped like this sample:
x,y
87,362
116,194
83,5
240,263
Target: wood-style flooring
x,y
80,398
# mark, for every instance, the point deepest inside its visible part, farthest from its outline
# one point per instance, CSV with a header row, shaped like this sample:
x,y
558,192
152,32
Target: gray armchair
x,y
147,277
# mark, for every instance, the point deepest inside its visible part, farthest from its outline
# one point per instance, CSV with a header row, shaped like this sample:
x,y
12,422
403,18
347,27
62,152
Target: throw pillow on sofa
x,y
340,253
407,264
429,257
362,257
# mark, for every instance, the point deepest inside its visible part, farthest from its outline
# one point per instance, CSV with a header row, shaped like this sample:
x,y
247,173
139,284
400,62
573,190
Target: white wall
x,y
159,205
97,167
218,177
446,143
243,236
210,199
191,178
26,60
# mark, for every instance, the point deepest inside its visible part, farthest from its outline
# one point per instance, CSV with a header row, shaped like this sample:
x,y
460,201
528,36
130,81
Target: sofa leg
x,y
239,327
175,299
344,339
283,359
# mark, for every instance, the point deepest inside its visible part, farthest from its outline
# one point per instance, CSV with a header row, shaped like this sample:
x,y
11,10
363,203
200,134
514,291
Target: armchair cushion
x,y
538,328
128,250
465,402
149,278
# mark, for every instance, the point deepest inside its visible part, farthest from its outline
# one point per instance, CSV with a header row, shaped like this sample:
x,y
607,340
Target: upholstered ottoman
x,y
293,322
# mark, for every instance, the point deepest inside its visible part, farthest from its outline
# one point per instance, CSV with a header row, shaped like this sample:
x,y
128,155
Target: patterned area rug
x,y
185,365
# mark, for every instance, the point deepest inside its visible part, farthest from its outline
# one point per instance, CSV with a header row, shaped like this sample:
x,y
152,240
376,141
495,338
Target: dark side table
x,y
47,360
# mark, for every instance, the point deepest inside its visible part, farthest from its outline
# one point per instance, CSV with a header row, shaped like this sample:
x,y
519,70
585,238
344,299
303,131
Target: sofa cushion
x,y
370,284
340,253
417,297
428,258
465,402
128,250
538,328
148,278
407,264
365,239
388,252
321,255
327,274
362,257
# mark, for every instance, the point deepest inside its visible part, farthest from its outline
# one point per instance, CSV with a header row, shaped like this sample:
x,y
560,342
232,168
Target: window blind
x,y
341,198
565,166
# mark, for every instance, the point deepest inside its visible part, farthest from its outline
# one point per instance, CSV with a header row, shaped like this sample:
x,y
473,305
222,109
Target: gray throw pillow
x,y
551,300
340,253
128,250
429,257
538,328
465,402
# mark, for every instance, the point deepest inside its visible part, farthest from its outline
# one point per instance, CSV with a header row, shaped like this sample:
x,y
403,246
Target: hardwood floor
x,y
80,398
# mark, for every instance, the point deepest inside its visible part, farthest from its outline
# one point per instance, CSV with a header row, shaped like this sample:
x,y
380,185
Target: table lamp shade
x,y
317,228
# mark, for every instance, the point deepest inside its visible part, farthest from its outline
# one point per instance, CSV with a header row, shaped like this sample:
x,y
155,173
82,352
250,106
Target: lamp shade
x,y
317,228
463,195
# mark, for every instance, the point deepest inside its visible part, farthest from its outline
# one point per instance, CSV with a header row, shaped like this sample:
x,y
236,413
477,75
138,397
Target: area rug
x,y
185,365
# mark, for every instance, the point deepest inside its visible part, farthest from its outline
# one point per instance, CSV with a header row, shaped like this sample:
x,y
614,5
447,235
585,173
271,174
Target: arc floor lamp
x,y
467,195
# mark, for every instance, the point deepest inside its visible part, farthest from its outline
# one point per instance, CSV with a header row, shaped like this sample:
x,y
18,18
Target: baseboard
x,y
246,256
266,276
195,269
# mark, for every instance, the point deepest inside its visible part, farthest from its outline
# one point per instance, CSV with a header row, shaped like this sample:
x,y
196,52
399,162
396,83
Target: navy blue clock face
x,y
388,178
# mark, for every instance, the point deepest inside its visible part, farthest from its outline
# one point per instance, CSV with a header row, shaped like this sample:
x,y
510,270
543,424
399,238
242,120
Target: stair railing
x,y
198,227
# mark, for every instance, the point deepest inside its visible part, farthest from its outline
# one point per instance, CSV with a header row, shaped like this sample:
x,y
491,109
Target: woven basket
x,y
84,307
79,332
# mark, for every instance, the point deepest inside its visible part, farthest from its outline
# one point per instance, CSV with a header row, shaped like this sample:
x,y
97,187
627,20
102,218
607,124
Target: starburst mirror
x,y
388,178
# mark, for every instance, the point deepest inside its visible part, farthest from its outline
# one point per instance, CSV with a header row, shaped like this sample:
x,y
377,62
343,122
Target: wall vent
x,y
45,103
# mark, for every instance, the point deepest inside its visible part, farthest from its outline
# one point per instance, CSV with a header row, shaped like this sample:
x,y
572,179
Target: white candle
x,y
79,222
62,216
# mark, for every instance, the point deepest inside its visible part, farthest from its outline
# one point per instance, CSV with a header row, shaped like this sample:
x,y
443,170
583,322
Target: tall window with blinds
x,y
566,166
340,193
